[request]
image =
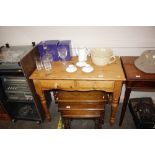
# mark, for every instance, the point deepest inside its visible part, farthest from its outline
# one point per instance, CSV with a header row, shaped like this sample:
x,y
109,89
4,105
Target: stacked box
x,y
53,46
67,45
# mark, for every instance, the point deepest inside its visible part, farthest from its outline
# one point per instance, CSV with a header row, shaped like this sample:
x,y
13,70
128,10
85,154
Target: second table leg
x,y
125,102
116,96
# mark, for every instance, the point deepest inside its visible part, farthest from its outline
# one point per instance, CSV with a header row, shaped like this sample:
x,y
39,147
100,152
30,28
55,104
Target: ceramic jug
x,y
82,54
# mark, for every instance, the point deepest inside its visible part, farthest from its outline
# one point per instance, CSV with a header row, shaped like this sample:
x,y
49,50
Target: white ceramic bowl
x,y
71,68
87,68
102,56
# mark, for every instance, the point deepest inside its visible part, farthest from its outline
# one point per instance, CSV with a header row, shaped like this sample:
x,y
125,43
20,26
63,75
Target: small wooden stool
x,y
84,105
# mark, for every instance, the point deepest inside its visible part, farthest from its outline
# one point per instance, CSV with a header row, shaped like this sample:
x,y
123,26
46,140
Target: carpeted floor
x,y
76,124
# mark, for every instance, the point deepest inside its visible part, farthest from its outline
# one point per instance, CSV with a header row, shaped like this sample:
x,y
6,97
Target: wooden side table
x,y
108,78
135,80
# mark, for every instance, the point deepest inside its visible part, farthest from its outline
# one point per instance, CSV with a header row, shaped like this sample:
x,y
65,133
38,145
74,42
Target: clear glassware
x,y
48,55
47,60
47,63
39,63
44,45
62,53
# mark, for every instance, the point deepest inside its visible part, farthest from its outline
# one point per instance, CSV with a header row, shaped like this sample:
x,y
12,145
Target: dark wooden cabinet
x,y
24,102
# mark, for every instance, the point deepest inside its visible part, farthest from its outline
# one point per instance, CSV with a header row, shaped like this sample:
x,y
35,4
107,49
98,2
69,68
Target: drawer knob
x,y
68,107
56,86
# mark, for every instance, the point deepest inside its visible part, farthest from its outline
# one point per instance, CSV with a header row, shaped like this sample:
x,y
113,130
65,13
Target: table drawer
x,y
96,85
57,84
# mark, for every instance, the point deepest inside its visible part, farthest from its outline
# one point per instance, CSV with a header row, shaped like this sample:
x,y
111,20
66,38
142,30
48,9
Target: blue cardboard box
x,y
67,45
53,46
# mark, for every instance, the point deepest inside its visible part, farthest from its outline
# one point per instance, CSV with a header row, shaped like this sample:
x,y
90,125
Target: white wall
x,y
123,40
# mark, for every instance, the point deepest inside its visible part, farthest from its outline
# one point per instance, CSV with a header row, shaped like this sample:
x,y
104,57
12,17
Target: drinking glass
x,y
39,63
62,53
47,62
44,45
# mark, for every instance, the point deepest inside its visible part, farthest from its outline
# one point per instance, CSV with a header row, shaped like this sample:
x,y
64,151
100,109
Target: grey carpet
x,y
76,124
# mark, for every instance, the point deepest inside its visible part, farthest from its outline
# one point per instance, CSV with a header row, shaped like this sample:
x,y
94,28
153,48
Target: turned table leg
x,y
67,123
40,92
44,105
116,96
98,123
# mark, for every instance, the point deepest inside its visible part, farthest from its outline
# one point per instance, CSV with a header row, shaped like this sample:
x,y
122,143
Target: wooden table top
x,y
132,72
112,71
